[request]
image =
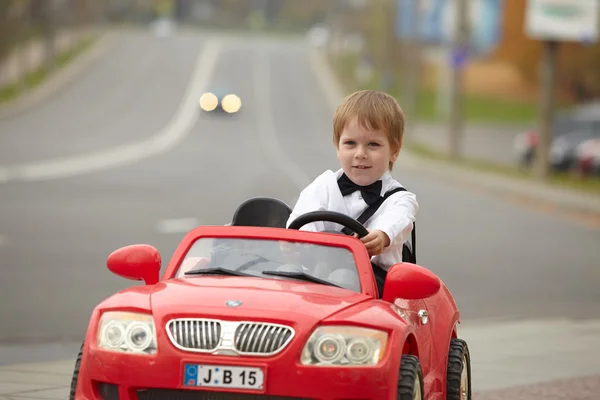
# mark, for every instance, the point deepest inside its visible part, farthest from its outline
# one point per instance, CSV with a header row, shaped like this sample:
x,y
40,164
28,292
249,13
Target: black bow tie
x,y
370,193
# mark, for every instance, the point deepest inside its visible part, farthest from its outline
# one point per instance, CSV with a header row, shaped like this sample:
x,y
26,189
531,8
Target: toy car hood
x,y
255,298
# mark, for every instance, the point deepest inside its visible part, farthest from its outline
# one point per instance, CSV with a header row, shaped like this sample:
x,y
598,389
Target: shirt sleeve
x,y
312,198
396,217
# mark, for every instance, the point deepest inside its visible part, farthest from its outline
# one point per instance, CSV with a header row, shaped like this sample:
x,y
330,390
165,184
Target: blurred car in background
x,y
163,27
220,101
318,35
570,130
588,157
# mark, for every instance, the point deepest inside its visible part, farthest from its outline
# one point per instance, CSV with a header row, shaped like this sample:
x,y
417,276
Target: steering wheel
x,y
330,216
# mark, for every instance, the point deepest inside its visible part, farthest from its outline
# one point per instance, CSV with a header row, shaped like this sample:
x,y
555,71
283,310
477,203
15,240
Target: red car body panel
x,y
301,305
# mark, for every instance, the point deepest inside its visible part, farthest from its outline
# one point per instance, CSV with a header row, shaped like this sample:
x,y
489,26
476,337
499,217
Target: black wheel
x,y
458,376
76,373
410,379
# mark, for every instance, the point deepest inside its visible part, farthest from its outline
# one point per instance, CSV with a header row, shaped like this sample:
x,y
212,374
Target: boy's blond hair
x,y
374,110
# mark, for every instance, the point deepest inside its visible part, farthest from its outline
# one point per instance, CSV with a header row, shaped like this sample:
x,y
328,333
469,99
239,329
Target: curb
x,y
58,80
518,190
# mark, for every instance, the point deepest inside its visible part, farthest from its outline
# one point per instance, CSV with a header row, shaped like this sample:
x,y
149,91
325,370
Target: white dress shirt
x,y
395,217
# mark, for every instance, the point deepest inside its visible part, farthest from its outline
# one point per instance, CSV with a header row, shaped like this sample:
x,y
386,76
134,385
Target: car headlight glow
x,y
208,101
231,103
127,332
344,346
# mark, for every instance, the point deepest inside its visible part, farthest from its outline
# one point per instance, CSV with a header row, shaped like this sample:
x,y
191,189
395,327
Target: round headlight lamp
x,y
113,334
359,351
330,348
138,336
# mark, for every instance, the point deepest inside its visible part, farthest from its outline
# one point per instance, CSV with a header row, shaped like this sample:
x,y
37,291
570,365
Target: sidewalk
x,y
489,142
103,39
29,56
584,205
49,381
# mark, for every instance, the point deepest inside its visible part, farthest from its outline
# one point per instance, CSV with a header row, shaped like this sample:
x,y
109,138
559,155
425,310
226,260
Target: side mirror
x,y
410,281
136,262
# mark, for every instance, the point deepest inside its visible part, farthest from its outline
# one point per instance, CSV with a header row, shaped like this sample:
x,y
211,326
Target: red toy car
x,y
256,311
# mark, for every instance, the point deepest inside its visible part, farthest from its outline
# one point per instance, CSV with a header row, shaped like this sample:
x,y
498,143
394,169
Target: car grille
x,y
177,394
195,334
246,338
259,338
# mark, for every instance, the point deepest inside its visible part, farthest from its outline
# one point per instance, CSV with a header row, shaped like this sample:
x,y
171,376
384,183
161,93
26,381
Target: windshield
x,y
272,259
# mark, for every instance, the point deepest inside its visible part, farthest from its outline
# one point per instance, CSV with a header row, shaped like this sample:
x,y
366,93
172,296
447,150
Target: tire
x,y
410,379
458,376
76,373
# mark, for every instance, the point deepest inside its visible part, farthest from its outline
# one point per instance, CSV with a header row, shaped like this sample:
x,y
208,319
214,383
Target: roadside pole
x,y
459,54
547,106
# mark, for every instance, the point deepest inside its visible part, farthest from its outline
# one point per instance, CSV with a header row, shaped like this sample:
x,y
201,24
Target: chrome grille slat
x,y
273,338
253,329
284,337
256,343
265,342
208,326
249,338
188,336
199,342
193,329
179,332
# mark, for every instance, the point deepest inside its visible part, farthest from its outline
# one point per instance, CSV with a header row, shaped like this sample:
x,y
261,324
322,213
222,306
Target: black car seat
x,y
262,211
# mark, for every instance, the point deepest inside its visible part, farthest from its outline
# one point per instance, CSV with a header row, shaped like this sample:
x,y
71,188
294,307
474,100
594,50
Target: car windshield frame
x,y
272,259
353,245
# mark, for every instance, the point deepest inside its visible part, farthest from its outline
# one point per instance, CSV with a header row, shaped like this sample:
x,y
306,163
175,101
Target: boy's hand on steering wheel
x,y
375,242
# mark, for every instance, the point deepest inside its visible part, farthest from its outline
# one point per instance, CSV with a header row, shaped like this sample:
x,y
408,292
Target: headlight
x,y
127,332
208,101
344,346
231,103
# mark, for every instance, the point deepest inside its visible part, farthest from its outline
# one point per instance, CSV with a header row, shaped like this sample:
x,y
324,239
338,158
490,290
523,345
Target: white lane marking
x,y
328,80
177,225
510,353
177,129
266,127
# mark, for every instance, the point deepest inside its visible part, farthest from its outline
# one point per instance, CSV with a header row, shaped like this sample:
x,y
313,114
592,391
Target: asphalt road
x,y
499,260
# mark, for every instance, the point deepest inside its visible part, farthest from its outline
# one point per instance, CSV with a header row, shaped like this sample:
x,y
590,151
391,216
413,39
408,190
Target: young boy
x,y
367,132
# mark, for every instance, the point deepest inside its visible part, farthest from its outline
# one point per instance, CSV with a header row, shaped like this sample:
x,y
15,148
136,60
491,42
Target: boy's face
x,y
364,154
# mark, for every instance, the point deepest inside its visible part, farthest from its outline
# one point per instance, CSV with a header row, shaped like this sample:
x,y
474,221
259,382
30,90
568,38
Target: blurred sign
x,y
459,58
568,20
433,22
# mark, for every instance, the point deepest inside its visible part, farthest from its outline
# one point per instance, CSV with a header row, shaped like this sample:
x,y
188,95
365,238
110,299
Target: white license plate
x,y
223,376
